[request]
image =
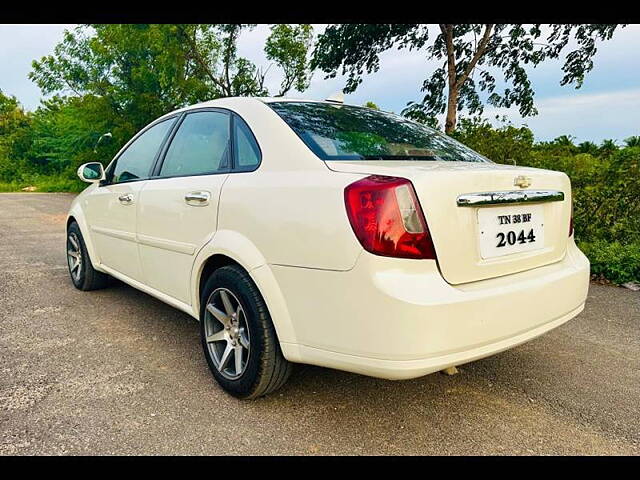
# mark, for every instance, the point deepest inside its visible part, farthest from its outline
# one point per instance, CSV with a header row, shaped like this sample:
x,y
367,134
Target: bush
x,y
506,144
613,261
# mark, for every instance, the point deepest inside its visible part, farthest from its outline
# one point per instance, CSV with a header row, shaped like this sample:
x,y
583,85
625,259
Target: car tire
x,y
234,317
83,275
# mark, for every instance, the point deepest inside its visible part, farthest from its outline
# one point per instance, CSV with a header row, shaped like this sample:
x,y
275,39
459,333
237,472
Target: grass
x,y
8,187
45,184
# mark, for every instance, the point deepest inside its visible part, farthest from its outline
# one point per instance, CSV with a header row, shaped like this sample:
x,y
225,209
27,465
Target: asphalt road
x,y
118,372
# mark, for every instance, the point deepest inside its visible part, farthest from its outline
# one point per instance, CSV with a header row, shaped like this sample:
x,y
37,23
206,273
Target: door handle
x,y
197,199
126,199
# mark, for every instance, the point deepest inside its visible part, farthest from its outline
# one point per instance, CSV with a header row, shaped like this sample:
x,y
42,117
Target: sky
x,y
606,106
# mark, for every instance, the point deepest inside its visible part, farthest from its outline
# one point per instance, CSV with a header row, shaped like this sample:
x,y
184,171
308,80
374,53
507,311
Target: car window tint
x,y
136,161
247,151
199,146
346,132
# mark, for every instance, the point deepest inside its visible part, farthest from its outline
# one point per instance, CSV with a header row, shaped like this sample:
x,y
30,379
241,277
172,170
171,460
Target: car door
x,y
178,207
112,207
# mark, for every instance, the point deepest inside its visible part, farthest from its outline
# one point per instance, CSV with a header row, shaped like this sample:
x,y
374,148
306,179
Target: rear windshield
x,y
345,132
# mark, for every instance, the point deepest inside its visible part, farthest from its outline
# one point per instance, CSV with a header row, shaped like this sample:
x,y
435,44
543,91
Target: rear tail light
x,y
387,219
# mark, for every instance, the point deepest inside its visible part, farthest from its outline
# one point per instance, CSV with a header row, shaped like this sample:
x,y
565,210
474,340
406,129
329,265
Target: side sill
x,y
150,291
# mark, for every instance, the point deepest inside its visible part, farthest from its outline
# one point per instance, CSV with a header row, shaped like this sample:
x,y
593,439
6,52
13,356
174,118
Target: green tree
x,y
632,141
287,46
118,78
15,137
505,144
372,105
608,147
564,141
143,71
588,147
471,56
66,129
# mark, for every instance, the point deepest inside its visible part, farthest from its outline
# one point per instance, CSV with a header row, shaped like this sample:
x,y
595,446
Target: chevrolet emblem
x,y
522,181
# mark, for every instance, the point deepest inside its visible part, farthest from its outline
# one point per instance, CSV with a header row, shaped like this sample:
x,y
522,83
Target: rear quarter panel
x,y
294,218
292,207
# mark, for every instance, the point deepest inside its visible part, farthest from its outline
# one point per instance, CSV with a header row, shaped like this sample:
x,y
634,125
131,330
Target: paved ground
x,y
118,372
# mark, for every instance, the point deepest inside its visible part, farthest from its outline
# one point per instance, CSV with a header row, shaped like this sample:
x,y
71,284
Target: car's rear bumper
x,y
398,319
404,369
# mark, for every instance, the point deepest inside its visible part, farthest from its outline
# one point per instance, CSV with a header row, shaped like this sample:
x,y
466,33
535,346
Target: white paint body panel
x,y
113,226
332,303
166,248
398,318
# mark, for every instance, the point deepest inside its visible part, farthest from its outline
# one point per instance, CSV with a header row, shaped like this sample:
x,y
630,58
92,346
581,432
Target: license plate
x,y
512,229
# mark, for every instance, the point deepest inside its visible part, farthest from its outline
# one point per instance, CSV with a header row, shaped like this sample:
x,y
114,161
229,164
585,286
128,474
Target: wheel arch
x,y
70,220
211,264
77,215
232,248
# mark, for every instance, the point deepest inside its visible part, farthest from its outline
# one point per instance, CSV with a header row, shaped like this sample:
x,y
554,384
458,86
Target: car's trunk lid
x,y
466,237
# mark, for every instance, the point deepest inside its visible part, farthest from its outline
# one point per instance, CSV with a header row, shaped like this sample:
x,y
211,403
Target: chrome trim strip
x,y
513,196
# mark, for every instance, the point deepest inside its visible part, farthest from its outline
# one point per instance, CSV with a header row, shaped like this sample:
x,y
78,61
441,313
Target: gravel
x,y
118,372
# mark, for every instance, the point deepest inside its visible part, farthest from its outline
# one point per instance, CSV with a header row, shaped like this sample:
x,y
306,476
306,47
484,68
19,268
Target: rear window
x,y
345,132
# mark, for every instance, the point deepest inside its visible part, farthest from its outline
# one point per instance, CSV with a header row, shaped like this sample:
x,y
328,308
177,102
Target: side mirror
x,y
91,172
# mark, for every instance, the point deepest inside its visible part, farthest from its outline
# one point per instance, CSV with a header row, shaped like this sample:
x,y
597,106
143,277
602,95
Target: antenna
x,y
337,97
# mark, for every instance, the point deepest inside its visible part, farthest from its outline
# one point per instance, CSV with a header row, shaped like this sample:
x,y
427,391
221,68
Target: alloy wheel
x,y
74,256
227,333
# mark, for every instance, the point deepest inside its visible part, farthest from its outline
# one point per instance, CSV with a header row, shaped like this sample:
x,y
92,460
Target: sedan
x,y
322,233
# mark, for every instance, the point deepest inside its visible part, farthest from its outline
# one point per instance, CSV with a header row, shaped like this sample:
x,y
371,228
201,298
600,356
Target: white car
x,y
328,234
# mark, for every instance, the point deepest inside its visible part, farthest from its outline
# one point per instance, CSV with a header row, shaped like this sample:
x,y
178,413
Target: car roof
x,y
283,99
231,102
227,100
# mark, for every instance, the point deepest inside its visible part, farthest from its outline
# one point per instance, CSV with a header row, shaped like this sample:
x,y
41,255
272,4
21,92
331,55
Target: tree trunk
x,y
456,82
452,111
452,103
